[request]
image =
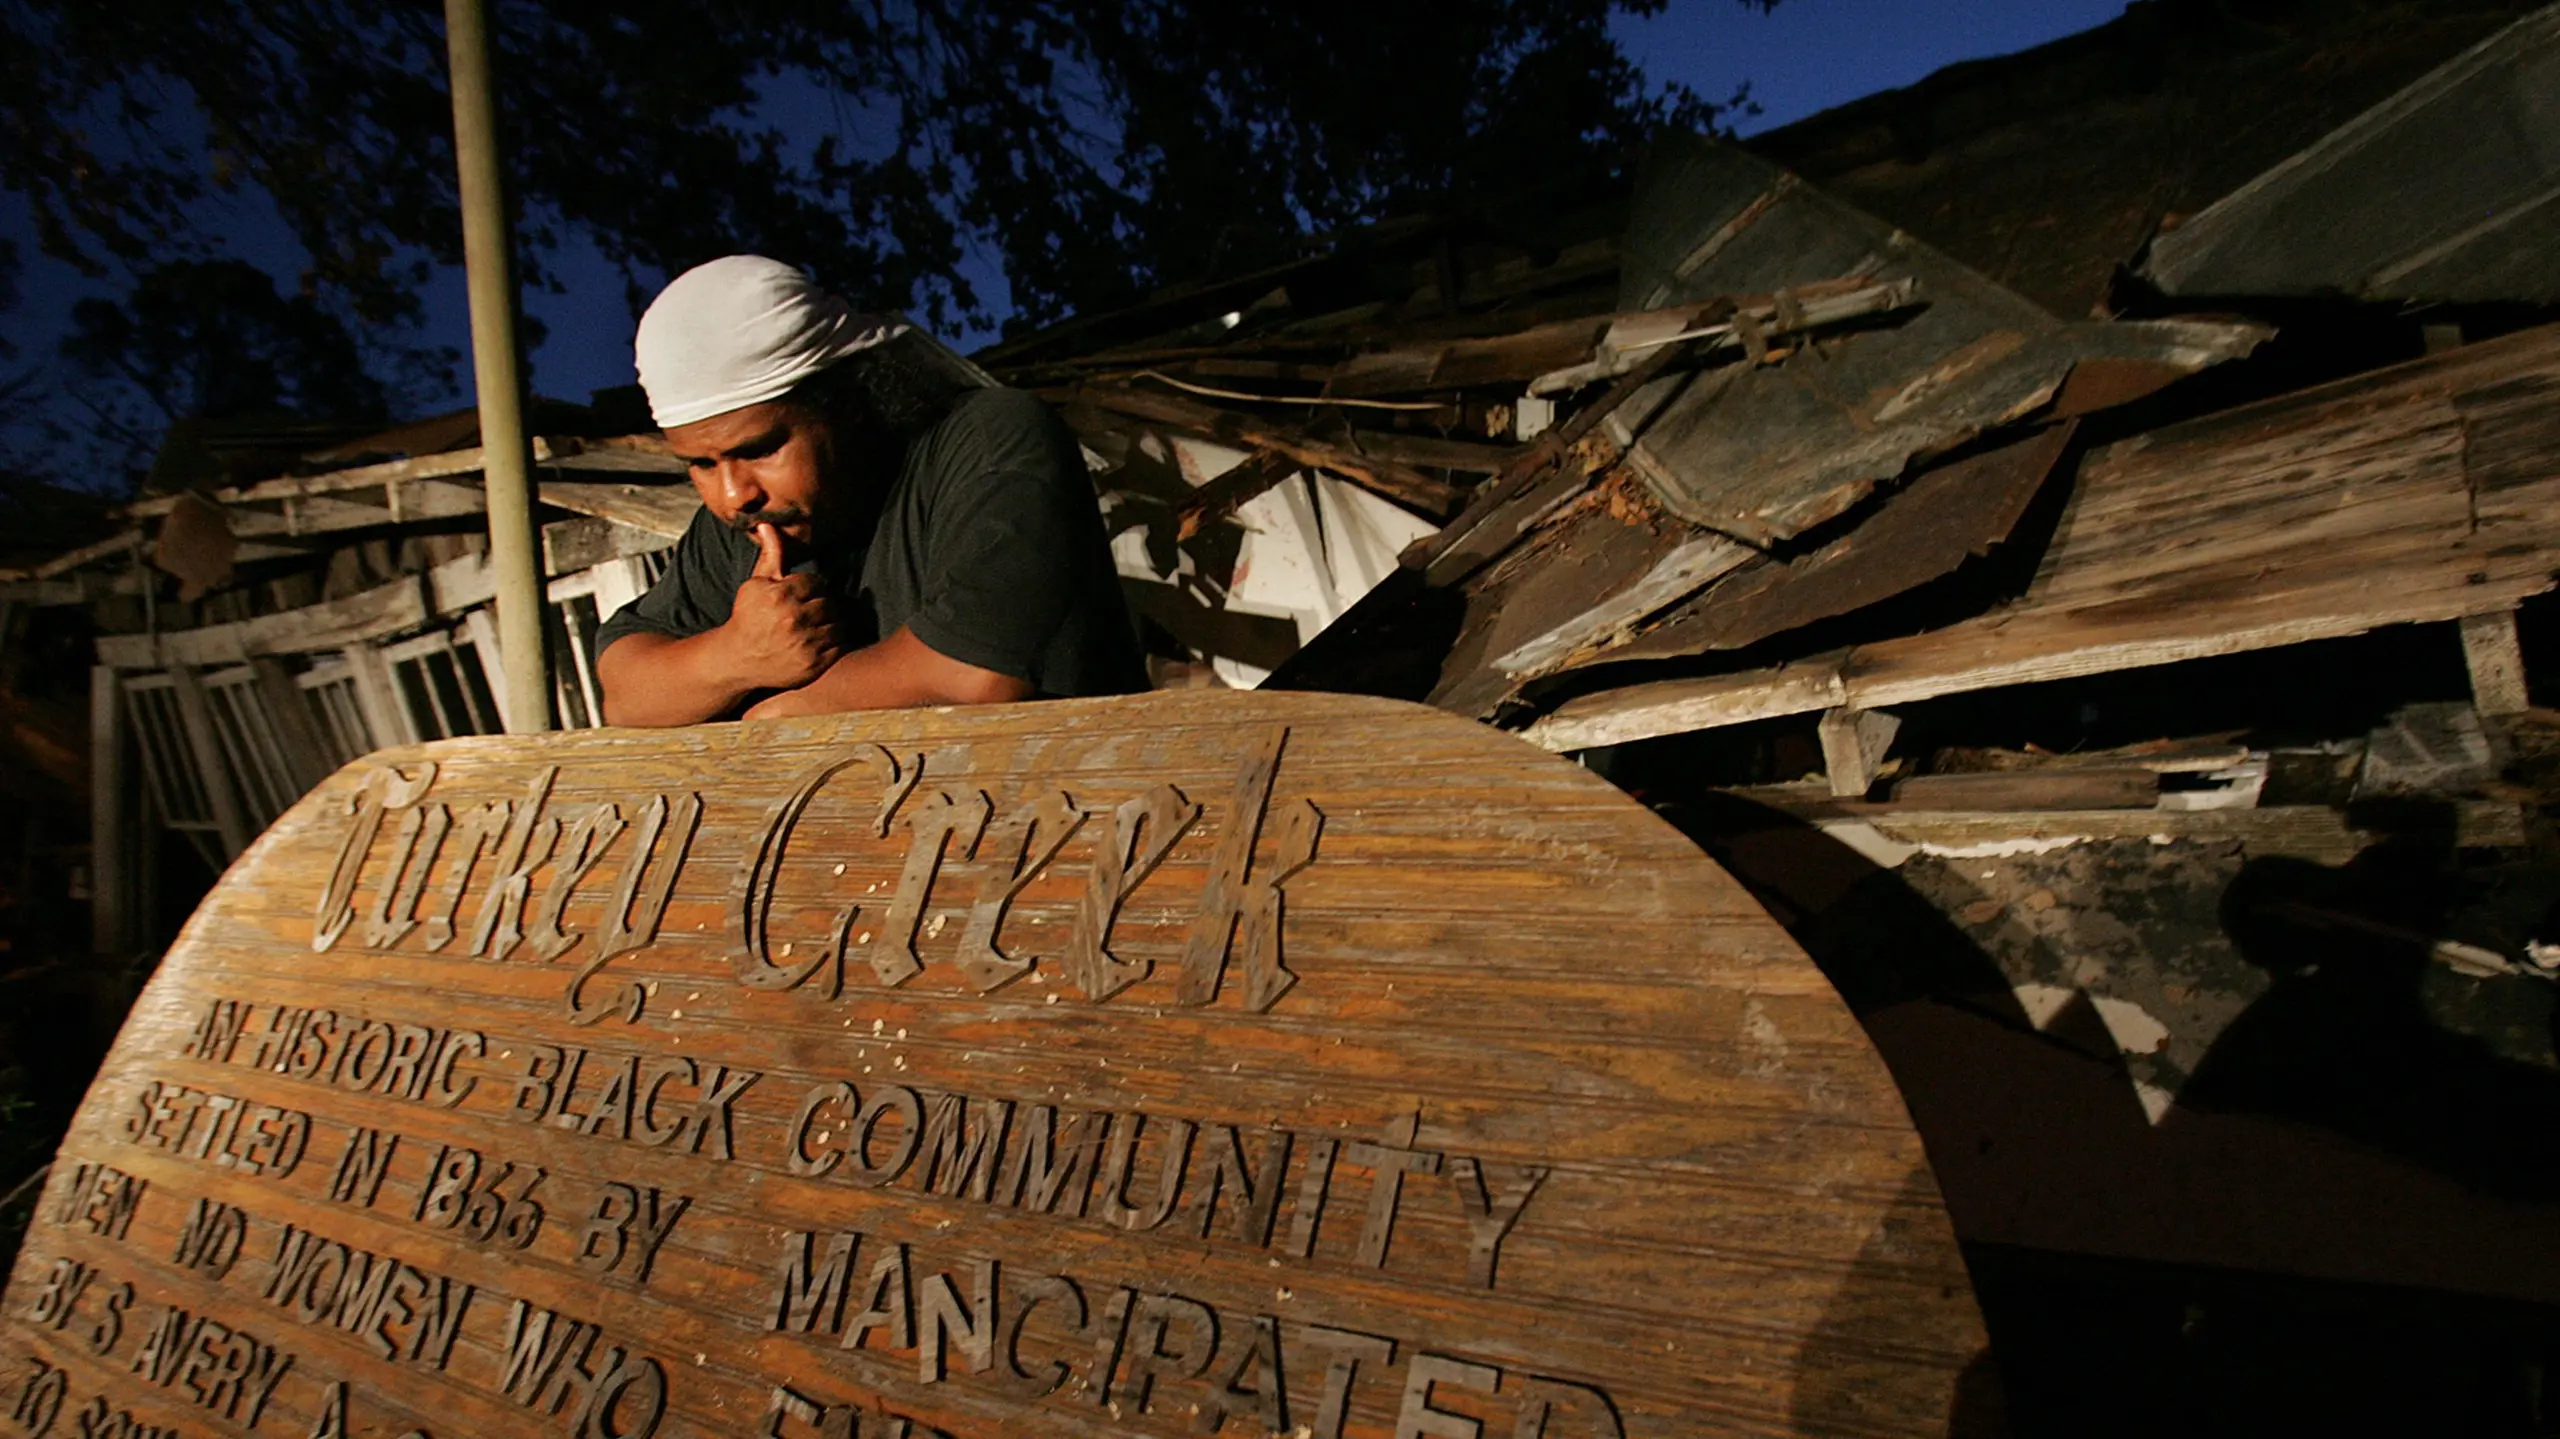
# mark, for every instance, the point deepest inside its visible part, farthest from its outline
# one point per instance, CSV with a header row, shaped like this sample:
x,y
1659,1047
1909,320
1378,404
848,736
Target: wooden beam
x,y
2496,661
1401,483
378,696
1227,493
1853,748
297,734
659,509
373,614
111,896
630,452
213,764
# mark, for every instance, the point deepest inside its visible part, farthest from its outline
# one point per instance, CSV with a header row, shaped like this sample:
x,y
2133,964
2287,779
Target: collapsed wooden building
x,y
1960,509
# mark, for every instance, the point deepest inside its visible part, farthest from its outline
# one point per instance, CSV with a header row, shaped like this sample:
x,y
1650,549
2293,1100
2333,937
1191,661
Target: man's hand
x,y
778,635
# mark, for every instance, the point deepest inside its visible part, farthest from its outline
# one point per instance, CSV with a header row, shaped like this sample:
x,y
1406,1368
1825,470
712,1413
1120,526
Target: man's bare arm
x,y
657,680
777,637
899,672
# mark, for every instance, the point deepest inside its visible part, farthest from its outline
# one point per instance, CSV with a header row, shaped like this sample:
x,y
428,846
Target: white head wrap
x,y
740,331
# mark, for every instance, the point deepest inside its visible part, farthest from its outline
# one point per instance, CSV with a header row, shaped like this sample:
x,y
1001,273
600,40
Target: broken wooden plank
x,y
2125,787
1227,493
1401,483
630,452
1949,514
656,509
2496,661
373,614
1853,746
2313,516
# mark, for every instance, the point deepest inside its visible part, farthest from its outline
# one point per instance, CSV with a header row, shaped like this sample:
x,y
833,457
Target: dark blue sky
x,y
1803,57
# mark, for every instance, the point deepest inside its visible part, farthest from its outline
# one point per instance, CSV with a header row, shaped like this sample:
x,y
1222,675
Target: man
x,y
874,533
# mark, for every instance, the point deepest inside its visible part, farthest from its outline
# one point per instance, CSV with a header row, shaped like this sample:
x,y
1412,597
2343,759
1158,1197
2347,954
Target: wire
x,y
1216,393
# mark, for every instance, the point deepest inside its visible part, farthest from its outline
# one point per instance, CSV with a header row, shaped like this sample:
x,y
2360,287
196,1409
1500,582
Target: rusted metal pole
x,y
506,457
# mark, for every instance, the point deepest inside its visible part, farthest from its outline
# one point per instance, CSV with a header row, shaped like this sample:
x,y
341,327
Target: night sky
x,y
1803,57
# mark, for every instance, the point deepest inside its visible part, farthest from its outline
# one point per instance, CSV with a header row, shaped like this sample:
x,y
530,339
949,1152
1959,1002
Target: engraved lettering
x,y
943,1322
1389,1162
1415,1416
1256,1186
1049,1167
934,829
961,1158
110,1326
358,1180
1018,849
583,846
1236,898
888,1303
63,1286
605,1241
217,1034
1159,1317
1135,838
1126,1132
751,902
384,789
395,904
1040,1289
809,1292
1251,1383
1345,1350
525,845
1313,1183
480,828
646,882
101,1198
1490,1213
907,1137
210,1242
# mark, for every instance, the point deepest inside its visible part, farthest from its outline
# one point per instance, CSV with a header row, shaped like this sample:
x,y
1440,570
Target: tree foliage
x,y
1086,150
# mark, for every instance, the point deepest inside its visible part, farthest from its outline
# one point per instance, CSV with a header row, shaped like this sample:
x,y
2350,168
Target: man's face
x,y
766,464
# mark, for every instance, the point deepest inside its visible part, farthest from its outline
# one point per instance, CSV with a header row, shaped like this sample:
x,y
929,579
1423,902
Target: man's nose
x,y
739,491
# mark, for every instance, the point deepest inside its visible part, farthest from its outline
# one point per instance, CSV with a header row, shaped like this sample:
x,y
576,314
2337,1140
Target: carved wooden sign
x,y
1186,1065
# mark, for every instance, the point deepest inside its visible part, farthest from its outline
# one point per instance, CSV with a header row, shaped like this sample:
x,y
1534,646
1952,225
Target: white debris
x,y
2135,1031
2003,848
2043,1001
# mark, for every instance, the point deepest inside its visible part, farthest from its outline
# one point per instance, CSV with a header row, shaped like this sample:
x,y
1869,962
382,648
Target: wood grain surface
x,y
1185,1064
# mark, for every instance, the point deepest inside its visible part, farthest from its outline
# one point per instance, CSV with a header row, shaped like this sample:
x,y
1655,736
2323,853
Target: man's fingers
x,y
768,553
798,587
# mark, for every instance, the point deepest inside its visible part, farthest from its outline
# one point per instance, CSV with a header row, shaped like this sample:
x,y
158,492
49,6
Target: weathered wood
x,y
2496,661
1853,745
111,892
332,624
1227,493
661,509
2425,493
1401,483
213,768
630,452
746,1084
2125,787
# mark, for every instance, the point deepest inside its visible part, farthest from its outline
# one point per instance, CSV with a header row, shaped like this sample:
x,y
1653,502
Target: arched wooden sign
x,y
1191,1064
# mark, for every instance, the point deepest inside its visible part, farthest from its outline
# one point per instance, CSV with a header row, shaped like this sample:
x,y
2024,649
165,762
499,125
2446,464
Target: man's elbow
x,y
974,686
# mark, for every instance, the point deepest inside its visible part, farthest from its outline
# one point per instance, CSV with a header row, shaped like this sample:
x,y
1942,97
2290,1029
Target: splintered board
x,y
1177,1065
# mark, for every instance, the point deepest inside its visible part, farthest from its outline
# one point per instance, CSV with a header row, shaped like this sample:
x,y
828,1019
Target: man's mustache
x,y
781,517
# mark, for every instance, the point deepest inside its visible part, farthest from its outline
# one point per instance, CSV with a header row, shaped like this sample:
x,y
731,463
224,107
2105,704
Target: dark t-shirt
x,y
989,547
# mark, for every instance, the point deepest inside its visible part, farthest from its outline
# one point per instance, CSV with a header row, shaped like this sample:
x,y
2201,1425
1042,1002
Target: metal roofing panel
x,y
2447,191
1765,452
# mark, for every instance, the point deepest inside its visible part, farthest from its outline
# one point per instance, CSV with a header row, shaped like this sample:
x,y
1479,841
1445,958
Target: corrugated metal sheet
x,y
1765,452
2448,191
